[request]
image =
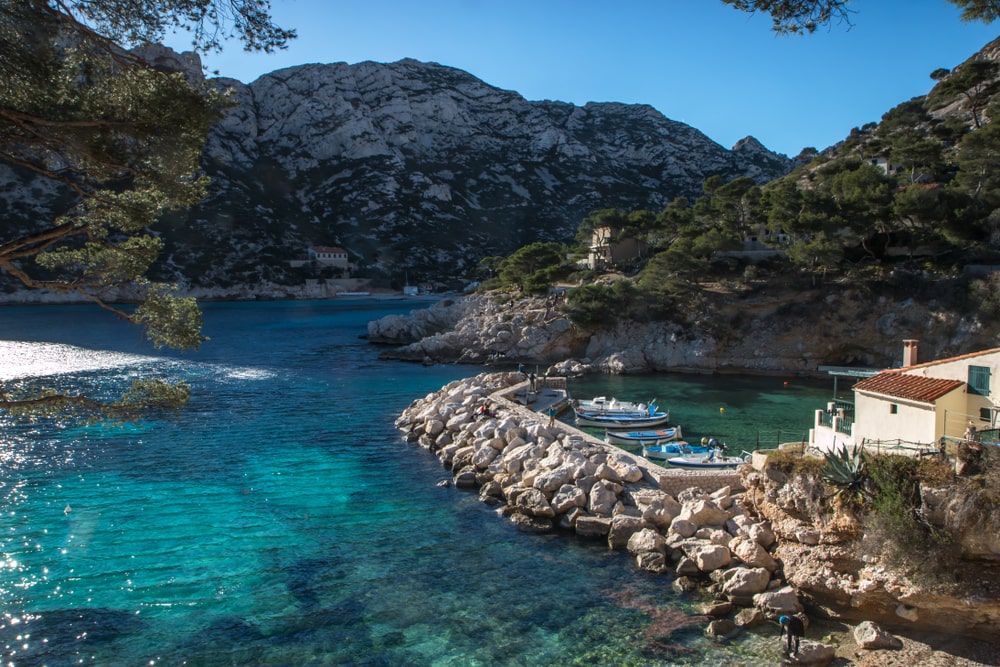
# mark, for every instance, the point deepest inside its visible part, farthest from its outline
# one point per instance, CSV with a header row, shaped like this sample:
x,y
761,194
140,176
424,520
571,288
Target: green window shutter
x,y
979,380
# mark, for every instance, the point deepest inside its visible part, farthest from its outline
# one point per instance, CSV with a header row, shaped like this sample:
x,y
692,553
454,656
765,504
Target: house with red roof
x,y
328,256
919,406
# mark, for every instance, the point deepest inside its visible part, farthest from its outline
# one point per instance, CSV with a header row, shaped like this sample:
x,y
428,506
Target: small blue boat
x,y
665,450
642,438
623,421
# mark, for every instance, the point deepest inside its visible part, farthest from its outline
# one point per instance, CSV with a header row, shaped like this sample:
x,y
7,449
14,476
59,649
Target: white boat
x,y
642,438
605,405
623,421
712,460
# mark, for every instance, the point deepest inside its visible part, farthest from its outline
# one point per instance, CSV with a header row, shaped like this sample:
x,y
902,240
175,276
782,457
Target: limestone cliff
x,y
771,331
417,169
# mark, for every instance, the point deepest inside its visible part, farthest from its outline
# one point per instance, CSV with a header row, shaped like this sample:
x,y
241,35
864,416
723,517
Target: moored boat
x,y
666,450
712,460
642,438
605,405
623,421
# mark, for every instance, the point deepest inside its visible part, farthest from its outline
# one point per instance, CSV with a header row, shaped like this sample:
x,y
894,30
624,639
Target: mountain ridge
x,y
423,169
418,169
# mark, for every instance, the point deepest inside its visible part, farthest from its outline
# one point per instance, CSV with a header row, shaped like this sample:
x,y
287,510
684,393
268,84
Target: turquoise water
x,y
744,412
280,520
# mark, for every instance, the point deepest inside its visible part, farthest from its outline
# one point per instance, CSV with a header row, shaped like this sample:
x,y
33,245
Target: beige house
x,y
918,406
606,251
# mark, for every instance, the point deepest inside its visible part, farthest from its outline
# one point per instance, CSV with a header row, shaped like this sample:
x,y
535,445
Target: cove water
x,y
281,520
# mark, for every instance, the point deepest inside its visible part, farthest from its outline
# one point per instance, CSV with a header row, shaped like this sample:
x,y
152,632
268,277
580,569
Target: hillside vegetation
x,y
904,208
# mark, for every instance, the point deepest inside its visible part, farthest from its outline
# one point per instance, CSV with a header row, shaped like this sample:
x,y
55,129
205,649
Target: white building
x,y
918,406
328,256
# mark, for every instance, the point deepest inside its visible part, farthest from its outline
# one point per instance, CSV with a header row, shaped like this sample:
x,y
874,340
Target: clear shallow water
x,y
281,521
745,412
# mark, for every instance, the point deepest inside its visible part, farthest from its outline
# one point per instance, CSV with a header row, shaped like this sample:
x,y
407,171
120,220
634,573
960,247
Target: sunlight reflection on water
x,y
20,359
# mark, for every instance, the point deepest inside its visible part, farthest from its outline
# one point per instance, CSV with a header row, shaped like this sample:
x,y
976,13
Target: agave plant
x,y
845,470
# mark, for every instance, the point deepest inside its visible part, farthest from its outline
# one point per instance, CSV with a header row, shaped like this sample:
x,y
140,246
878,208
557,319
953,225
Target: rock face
x,y
830,561
419,166
800,332
412,167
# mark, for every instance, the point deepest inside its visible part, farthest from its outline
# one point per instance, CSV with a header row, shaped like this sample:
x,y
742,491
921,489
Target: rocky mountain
x,y
420,169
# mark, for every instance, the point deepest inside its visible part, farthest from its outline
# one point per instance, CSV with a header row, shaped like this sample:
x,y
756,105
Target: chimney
x,y
909,352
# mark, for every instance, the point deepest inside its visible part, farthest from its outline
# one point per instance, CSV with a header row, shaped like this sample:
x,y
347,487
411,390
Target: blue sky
x,y
699,62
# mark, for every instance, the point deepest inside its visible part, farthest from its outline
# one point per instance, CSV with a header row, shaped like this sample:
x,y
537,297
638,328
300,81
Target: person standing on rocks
x,y
793,629
552,415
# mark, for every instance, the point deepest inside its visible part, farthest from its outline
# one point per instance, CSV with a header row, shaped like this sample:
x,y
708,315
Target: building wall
x,y
959,370
874,420
953,413
335,259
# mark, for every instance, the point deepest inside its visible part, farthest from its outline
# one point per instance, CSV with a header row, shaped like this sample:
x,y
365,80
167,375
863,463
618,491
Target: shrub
x,y
896,524
794,463
846,471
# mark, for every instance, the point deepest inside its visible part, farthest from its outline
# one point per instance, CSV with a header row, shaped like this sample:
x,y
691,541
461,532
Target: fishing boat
x,y
650,419
714,459
605,405
642,438
666,450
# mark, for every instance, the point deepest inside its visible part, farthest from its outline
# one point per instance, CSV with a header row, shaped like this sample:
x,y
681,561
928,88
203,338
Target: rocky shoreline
x,y
706,531
776,331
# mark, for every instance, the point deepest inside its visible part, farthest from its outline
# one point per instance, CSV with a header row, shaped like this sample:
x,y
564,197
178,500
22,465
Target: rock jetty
x,y
552,477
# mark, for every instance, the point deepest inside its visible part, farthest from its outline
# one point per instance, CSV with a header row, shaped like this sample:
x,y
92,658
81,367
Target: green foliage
x,y
975,81
796,16
534,267
120,139
146,395
979,164
170,320
846,471
986,11
806,16
895,522
143,397
794,463
602,303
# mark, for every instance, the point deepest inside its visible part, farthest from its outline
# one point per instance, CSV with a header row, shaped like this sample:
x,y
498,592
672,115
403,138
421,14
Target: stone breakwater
x,y
546,477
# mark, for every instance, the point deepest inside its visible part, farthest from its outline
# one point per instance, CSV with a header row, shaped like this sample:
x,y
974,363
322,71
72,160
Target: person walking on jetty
x,y
792,629
552,415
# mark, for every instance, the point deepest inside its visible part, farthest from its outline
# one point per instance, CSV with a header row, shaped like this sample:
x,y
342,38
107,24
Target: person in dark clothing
x,y
793,629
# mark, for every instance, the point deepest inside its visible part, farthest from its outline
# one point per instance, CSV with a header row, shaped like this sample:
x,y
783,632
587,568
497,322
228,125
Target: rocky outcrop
x,y
476,329
778,330
829,558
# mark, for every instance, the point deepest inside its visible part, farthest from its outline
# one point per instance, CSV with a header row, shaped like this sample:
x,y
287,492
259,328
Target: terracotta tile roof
x,y
908,387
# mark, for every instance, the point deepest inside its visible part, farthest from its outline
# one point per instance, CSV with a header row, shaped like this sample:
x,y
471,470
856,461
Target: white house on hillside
x,y
328,256
918,406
